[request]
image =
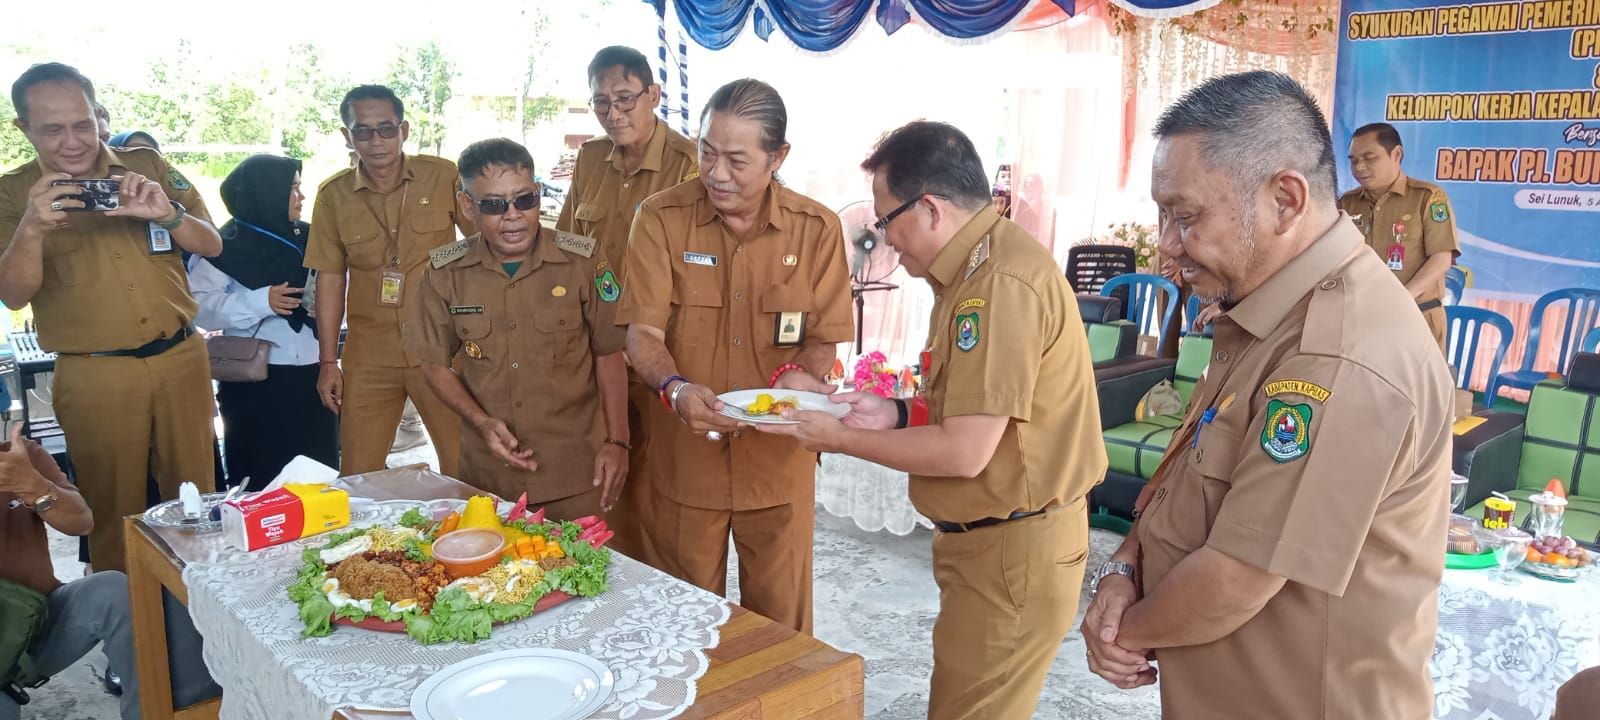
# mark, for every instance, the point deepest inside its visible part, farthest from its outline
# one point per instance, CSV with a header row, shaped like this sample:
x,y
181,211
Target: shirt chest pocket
x,y
1183,508
477,338
365,251
786,311
69,266
559,333
697,311
588,215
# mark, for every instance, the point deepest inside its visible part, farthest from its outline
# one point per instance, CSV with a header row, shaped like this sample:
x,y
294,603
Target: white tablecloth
x,y
872,495
1502,650
649,628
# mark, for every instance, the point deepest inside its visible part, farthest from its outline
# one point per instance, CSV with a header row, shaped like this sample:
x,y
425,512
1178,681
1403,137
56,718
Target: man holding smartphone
x,y
132,382
371,231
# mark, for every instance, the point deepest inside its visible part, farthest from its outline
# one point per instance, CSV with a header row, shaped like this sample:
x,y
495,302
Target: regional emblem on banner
x,y
967,331
1286,435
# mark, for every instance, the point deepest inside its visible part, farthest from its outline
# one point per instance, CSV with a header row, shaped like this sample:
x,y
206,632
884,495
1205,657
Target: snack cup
x,y
468,552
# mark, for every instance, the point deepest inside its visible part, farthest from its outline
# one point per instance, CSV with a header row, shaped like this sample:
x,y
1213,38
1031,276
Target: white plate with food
x,y
527,684
764,406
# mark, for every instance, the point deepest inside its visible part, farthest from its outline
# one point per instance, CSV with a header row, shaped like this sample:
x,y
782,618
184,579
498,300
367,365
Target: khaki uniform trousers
x,y
1439,325
128,418
1008,594
374,398
627,517
774,546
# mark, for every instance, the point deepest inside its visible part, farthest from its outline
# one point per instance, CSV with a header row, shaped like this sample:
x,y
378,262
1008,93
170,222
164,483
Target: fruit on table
x,y
1555,488
1559,552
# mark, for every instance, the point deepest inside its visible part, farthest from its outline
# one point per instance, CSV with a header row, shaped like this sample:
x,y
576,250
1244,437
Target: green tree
x,y
14,147
422,79
309,102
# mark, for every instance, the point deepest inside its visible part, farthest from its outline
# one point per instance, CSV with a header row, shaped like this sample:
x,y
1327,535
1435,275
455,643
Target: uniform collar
x,y
544,250
705,212
105,161
955,253
1398,187
653,151
407,172
1263,310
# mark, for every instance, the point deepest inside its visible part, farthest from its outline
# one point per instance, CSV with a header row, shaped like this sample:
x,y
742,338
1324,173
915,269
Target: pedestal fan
x,y
872,260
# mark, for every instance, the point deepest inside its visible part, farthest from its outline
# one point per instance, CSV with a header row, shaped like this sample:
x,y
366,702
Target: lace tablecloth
x,y
871,494
1502,650
649,628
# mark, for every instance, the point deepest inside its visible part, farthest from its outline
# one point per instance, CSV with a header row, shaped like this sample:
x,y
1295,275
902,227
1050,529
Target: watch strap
x,y
177,219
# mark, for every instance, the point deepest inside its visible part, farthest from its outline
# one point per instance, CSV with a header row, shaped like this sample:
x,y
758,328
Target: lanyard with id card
x,y
391,281
159,240
1397,249
391,285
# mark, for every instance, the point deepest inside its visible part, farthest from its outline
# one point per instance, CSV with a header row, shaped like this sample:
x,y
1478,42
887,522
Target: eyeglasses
x,y
884,221
499,206
364,133
626,103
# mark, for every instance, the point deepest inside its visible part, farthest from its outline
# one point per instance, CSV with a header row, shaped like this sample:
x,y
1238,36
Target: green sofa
x,y
1134,447
1561,440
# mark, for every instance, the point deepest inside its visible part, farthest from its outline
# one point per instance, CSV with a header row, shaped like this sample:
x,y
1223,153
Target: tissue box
x,y
284,515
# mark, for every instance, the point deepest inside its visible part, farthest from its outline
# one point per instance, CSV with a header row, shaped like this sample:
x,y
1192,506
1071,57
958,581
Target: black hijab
x,y
260,247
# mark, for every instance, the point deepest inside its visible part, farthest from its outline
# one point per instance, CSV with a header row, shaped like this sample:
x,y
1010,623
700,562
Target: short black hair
x,y
931,158
495,152
1254,124
632,62
45,73
370,92
1388,136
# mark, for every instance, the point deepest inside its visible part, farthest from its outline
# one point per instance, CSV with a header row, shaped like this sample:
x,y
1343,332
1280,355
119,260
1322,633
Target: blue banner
x,y
1497,103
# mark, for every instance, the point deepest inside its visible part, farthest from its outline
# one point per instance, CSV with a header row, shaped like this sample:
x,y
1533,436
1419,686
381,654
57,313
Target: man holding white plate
x,y
1004,443
734,283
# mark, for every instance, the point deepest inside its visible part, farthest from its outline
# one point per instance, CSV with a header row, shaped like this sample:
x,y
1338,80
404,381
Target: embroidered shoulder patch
x,y
971,303
177,180
1286,435
1439,211
446,254
1298,387
575,244
967,331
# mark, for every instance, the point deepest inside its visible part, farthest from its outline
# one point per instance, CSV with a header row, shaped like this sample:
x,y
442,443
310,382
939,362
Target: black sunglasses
x,y
884,221
364,133
499,206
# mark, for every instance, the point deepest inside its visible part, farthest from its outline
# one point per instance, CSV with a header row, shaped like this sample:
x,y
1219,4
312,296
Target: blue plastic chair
x,y
1455,284
1583,314
1591,340
1142,307
1464,331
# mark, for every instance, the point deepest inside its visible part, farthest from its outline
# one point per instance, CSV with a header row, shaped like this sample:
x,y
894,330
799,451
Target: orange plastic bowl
x,y
468,552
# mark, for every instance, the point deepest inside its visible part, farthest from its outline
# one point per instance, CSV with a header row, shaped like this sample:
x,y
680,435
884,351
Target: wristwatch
x,y
43,504
177,218
1113,567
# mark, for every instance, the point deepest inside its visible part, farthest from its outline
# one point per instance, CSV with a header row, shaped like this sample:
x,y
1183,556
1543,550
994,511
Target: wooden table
x,y
759,671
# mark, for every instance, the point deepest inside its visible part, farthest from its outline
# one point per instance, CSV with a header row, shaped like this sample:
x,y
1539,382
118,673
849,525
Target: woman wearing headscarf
x,y
253,289
134,139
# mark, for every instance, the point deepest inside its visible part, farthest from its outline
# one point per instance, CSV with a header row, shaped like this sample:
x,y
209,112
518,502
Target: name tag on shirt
x,y
160,240
466,309
700,259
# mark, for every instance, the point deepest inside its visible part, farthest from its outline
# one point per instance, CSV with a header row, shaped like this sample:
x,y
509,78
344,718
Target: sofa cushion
x,y
1135,448
1562,441
1110,341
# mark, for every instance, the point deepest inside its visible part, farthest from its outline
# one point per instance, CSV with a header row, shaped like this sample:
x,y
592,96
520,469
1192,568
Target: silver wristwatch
x,y
1114,567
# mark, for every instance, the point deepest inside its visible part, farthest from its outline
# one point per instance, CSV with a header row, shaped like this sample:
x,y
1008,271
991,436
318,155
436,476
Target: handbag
x,y
238,359
24,611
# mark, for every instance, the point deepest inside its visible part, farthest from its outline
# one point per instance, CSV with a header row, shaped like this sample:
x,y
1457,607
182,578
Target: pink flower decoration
x,y
872,374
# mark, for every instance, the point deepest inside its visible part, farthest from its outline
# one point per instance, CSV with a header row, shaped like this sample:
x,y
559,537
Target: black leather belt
x,y
955,527
152,348
1429,305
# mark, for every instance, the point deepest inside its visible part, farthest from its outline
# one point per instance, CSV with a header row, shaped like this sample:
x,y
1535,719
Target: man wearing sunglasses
x,y
736,282
638,156
1004,442
372,229
527,315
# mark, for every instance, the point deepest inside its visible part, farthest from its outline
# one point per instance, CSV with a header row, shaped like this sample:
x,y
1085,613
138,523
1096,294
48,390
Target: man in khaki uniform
x,y
736,282
371,231
108,288
1004,443
638,156
531,312
1408,222
1286,562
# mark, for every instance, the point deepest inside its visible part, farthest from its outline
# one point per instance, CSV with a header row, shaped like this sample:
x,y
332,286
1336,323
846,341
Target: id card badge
x,y
789,329
391,287
308,293
1397,257
160,240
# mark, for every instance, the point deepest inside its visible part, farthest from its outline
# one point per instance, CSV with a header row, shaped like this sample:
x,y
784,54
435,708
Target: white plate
x,y
526,684
735,402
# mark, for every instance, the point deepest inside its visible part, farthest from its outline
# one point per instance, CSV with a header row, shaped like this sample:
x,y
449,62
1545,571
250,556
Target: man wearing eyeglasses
x,y
527,315
372,229
736,282
638,156
1004,443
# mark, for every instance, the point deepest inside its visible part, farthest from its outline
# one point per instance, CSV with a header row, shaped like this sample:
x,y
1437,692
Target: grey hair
x,y
752,100
1254,124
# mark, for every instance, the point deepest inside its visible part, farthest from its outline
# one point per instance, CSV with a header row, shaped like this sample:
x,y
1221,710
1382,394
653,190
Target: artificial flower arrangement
x,y
873,374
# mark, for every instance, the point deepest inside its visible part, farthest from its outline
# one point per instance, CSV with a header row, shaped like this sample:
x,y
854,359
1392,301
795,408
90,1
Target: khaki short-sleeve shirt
x,y
103,289
356,229
603,197
525,346
1326,462
720,300
1422,210
1006,339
